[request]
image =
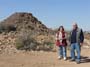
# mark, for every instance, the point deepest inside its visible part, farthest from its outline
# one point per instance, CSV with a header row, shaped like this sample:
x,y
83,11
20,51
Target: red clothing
x,y
63,42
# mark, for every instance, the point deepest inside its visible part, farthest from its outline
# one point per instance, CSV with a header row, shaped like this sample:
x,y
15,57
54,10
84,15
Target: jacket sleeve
x,y
81,36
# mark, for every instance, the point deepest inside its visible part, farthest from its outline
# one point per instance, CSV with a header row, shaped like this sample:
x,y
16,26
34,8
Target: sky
x,y
52,13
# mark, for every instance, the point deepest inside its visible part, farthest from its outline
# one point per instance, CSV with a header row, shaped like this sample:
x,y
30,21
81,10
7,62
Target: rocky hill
x,y
26,32
20,21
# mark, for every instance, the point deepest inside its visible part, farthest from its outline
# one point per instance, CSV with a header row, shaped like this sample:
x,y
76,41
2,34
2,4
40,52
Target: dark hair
x,y
60,28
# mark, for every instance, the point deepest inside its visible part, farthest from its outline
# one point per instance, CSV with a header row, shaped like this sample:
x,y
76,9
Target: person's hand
x,y
81,44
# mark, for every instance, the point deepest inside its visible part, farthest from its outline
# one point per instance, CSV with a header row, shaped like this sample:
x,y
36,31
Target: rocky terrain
x,y
24,31
27,42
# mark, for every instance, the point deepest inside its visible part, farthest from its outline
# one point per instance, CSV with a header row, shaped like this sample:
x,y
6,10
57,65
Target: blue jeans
x,y
75,46
62,51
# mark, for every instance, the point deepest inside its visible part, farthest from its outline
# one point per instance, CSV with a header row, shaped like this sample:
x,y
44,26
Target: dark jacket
x,y
79,36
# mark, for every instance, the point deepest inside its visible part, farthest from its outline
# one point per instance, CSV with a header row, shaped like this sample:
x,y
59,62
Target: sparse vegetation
x,y
26,29
26,42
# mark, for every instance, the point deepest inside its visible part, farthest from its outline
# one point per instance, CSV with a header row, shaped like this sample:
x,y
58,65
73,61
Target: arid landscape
x,y
41,59
26,42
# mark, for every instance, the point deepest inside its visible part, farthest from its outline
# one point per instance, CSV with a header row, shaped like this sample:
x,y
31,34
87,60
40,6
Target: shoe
x,y
72,60
59,57
65,58
78,62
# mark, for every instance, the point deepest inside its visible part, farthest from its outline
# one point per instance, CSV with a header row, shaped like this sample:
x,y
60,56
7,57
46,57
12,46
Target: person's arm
x,y
81,36
65,36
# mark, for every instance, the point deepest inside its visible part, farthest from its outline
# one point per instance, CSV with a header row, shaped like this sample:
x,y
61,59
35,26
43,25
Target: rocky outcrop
x,y
29,27
7,43
24,21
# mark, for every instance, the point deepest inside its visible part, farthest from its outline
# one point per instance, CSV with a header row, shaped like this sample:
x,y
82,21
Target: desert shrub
x,y
26,42
50,44
47,46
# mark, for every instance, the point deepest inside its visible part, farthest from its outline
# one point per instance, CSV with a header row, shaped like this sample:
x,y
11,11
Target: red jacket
x,y
63,42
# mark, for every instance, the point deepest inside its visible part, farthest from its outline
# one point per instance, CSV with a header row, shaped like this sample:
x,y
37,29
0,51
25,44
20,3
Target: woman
x,y
61,42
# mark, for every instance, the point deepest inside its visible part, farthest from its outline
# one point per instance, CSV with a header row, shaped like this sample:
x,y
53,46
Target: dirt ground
x,y
42,59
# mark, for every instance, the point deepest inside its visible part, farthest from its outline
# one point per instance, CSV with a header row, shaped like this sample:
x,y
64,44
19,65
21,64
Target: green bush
x,y
26,42
48,46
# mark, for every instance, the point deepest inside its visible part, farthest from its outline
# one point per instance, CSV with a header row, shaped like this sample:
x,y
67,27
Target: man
x,y
76,40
